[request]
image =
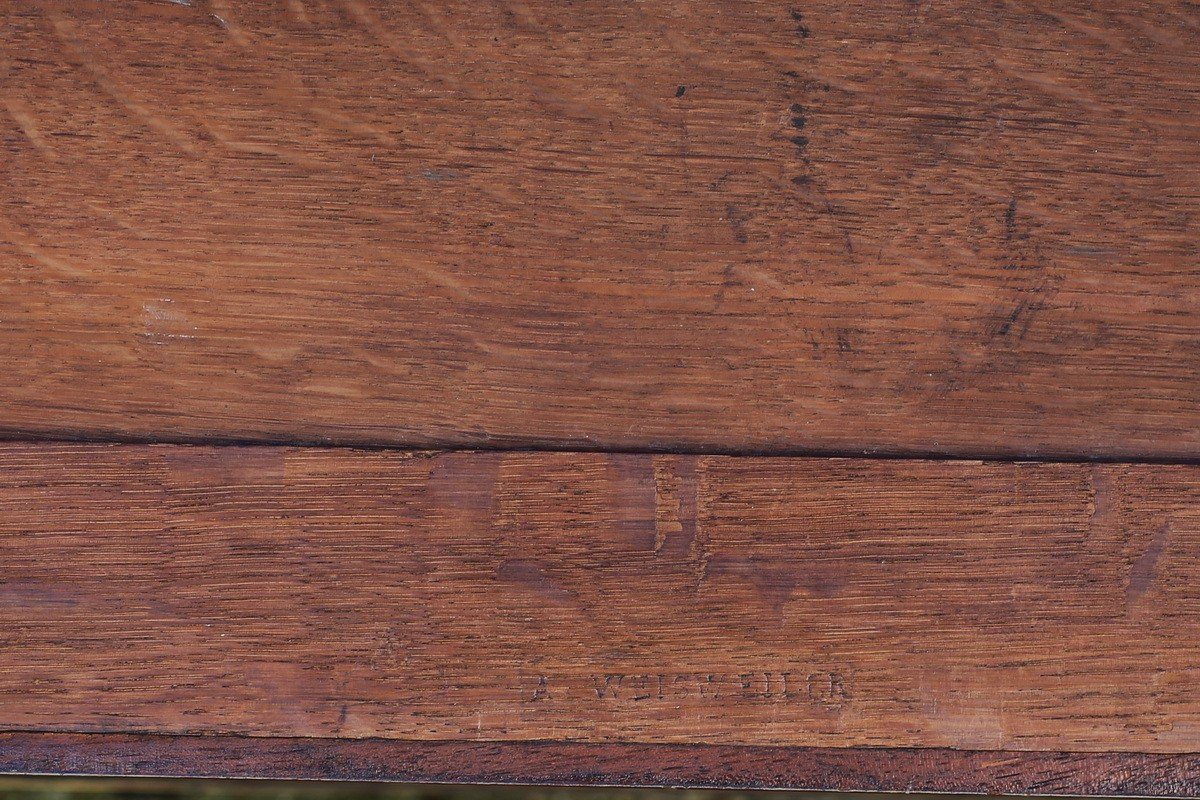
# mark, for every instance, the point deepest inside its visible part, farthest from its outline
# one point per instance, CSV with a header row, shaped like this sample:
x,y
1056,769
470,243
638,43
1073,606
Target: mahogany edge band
x,y
607,764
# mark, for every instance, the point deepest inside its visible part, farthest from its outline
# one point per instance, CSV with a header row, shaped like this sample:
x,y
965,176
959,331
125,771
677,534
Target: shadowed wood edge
x,y
609,764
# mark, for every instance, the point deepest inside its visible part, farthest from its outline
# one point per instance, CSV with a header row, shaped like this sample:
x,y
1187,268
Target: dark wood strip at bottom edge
x,y
608,764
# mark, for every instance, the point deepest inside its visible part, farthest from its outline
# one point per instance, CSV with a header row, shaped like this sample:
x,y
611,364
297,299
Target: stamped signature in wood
x,y
827,688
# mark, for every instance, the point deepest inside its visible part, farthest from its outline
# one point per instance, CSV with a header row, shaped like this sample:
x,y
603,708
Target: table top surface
x,y
682,393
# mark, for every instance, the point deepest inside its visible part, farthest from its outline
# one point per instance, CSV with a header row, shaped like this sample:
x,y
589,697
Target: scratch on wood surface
x,y
162,323
1051,85
34,250
23,117
223,12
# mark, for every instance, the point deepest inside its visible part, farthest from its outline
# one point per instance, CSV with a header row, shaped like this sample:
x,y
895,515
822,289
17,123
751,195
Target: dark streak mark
x,y
802,29
737,221
1010,220
1006,326
800,141
679,92
728,281
1144,569
1030,302
843,341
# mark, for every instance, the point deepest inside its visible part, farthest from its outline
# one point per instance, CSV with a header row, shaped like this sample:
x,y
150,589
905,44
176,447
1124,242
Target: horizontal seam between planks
x,y
568,446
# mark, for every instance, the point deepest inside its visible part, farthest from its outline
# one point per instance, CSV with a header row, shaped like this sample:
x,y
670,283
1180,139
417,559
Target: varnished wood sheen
x,y
653,599
961,228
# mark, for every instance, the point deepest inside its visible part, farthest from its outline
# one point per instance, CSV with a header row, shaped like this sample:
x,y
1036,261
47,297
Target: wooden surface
x,y
657,599
935,228
630,265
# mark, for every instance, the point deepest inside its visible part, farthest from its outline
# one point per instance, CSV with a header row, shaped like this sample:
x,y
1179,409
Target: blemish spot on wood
x,y
799,116
1104,497
244,467
680,91
541,691
1145,569
465,482
1013,316
801,29
675,525
636,494
30,596
163,322
440,174
773,583
737,222
531,576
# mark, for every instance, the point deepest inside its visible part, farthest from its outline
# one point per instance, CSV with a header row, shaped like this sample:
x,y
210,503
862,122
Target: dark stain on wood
x,y
1144,569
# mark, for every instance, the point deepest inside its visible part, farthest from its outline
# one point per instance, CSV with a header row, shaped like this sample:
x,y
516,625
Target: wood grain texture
x,y
951,228
613,764
587,597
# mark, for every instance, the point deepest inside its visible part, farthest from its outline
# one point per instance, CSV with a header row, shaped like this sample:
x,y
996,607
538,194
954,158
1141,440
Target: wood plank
x,y
611,764
957,228
589,597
